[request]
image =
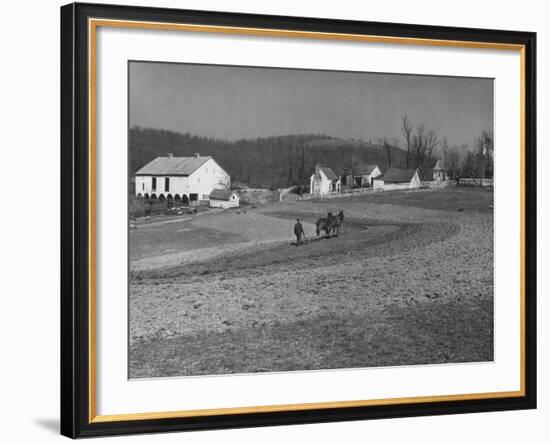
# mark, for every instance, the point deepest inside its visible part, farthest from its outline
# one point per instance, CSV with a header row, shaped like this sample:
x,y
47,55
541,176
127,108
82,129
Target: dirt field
x,y
408,281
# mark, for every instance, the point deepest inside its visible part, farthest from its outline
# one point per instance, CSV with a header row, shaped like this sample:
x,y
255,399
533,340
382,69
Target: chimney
x,y
197,155
170,155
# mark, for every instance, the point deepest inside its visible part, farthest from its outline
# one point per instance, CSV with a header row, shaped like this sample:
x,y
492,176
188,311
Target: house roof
x,y
364,169
219,194
329,173
398,175
173,165
438,165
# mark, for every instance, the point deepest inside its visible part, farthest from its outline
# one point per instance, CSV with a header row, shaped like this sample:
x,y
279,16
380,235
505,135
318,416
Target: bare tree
x,y
484,156
443,149
302,168
453,161
388,146
406,130
431,144
419,145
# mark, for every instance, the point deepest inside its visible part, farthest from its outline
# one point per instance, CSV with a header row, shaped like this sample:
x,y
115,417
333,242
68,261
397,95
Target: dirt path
x,y
259,231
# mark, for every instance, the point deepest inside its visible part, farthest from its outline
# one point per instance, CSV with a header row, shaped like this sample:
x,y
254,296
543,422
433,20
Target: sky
x,y
230,102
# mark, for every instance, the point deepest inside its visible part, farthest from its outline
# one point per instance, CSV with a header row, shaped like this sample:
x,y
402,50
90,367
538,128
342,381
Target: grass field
x,y
408,281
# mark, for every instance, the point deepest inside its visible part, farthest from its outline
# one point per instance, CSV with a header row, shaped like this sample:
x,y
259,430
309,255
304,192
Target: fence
x,y
485,182
396,186
292,198
437,184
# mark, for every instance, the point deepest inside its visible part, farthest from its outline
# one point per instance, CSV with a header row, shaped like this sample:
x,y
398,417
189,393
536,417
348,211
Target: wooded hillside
x,y
278,161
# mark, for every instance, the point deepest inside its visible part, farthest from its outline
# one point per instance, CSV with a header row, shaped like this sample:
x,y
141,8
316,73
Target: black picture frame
x,y
75,220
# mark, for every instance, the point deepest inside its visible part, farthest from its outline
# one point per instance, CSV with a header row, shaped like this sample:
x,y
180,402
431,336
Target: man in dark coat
x,y
298,231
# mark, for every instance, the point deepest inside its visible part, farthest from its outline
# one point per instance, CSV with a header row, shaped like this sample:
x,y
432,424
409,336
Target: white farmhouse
x,y
323,181
395,179
224,199
185,179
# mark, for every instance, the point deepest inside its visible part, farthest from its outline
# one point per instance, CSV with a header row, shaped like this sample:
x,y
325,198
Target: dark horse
x,y
336,222
331,224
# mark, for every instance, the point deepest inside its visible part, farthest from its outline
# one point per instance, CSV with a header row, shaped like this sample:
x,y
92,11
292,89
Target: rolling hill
x,y
277,161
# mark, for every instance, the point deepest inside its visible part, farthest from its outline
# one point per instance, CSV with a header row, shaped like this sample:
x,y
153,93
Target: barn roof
x,y
329,173
398,175
219,194
173,165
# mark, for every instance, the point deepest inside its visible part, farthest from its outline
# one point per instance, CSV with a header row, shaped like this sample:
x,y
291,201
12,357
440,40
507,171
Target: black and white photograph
x,y
275,221
288,219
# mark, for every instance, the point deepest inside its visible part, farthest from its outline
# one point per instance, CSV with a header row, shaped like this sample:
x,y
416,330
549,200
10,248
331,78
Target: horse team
x,y
331,224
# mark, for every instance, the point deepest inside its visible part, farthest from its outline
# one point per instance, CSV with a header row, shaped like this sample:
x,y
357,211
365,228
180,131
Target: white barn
x,y
224,199
323,181
185,179
395,179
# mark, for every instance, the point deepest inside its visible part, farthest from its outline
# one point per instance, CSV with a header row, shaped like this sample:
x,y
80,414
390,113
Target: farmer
x,y
298,231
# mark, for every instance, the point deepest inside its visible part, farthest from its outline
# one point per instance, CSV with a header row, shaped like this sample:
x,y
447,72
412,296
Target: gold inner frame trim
x,y
93,24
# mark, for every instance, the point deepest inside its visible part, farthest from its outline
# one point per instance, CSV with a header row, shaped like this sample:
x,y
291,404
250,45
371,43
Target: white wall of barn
x,y
208,177
178,185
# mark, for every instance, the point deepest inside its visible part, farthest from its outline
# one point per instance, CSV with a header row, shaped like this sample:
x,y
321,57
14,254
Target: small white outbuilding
x,y
224,199
395,179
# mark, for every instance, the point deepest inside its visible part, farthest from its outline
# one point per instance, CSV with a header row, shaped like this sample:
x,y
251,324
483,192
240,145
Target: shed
x,y
224,198
398,179
362,175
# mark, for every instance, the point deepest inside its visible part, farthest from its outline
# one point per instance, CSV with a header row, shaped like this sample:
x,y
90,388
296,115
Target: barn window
x,y
142,186
167,184
154,184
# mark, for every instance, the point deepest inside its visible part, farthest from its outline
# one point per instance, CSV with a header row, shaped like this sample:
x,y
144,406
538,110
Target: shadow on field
x,y
428,333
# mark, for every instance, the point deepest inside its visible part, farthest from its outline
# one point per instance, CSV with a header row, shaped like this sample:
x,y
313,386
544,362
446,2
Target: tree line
x,y
288,160
476,161
424,148
272,162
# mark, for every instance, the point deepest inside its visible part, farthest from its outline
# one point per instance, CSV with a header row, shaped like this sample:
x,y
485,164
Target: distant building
x,y
224,198
360,176
398,179
185,179
324,180
439,173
